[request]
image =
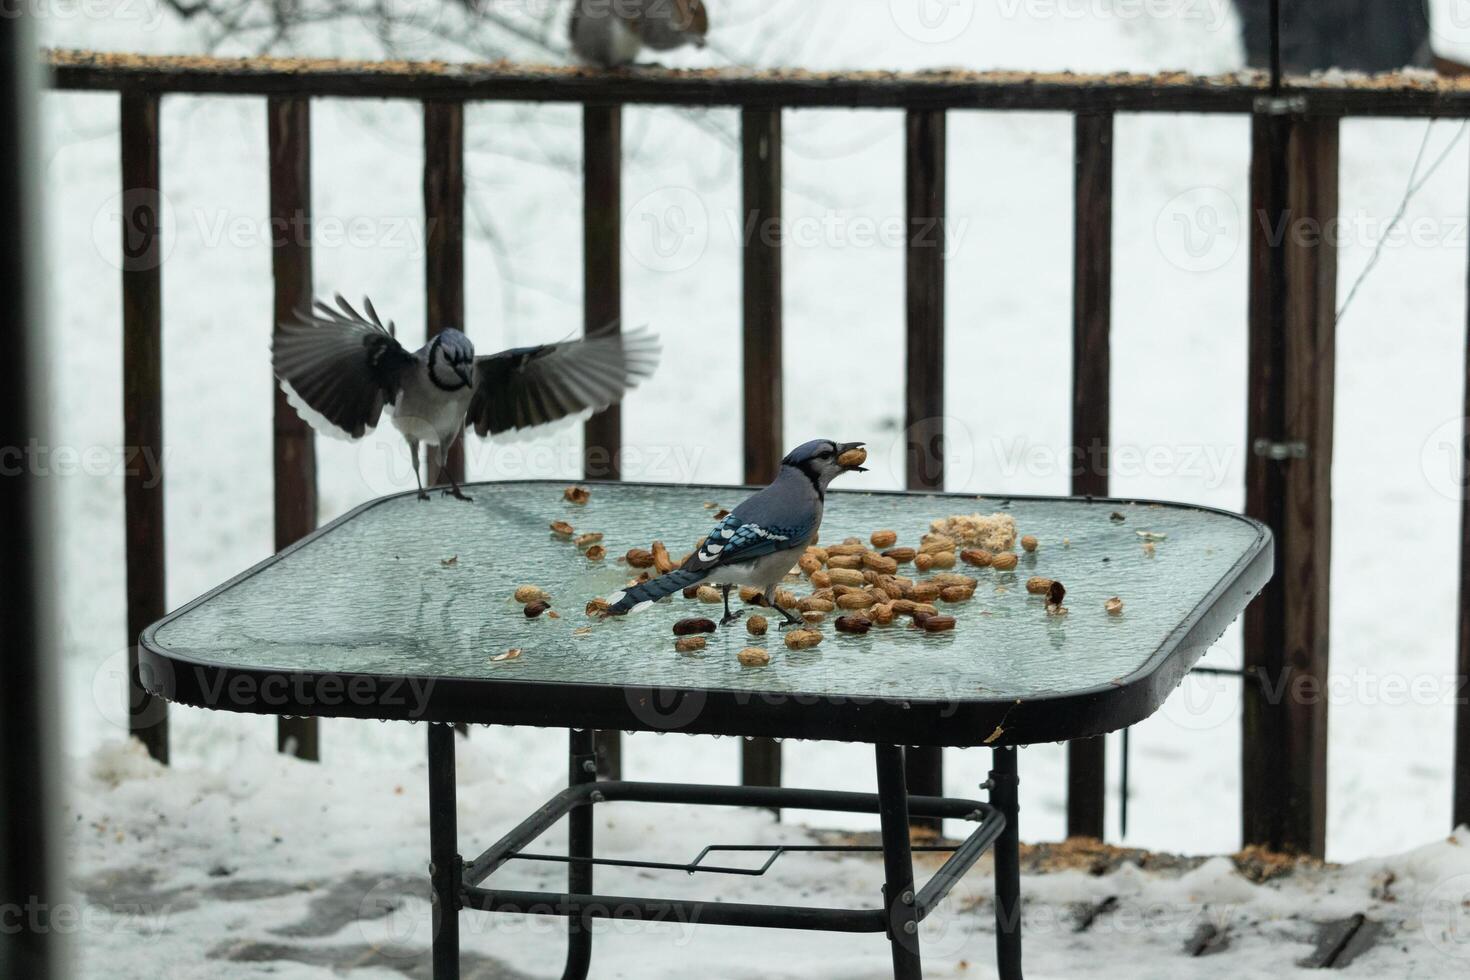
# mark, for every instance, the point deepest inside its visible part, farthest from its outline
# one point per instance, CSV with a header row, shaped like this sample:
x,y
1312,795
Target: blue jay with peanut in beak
x,y
760,540
341,370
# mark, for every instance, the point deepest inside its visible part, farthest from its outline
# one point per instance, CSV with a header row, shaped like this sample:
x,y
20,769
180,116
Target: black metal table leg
x,y
898,865
446,867
583,769
1005,797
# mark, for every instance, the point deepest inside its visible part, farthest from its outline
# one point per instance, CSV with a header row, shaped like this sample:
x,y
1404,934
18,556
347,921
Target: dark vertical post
x,y
924,381
1092,307
142,368
898,863
602,290
1293,292
1005,786
294,450
30,763
1461,807
446,867
444,240
760,759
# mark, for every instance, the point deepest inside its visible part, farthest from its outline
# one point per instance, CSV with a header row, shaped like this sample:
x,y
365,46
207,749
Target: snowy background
x,y
1178,413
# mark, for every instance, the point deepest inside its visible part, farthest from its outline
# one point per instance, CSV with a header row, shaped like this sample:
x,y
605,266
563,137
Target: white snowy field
x,y
1178,410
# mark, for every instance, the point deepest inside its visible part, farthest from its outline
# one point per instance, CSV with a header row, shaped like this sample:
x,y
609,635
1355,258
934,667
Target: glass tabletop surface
x,y
426,589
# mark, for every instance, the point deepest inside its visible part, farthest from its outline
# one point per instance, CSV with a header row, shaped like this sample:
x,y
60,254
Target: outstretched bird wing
x,y
338,367
530,386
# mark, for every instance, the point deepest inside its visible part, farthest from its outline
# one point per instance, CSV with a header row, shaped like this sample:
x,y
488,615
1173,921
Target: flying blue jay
x,y
760,540
610,33
340,370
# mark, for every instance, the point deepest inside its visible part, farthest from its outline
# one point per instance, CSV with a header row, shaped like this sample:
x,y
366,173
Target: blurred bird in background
x,y
611,33
340,370
759,542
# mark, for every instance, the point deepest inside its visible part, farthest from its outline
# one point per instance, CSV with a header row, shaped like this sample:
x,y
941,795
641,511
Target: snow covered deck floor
x,y
275,867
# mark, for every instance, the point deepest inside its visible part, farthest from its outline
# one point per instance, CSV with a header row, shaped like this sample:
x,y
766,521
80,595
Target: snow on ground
x,y
288,868
1178,413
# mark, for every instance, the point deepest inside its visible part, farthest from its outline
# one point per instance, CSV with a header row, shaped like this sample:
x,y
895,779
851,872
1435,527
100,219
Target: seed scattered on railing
x,y
978,557
901,555
937,624
756,625
510,654
1038,585
639,558
1029,542
576,495
534,609
531,593
562,529
1114,606
596,553
884,539
598,608
1005,562
689,644
709,594
661,560
588,540
853,624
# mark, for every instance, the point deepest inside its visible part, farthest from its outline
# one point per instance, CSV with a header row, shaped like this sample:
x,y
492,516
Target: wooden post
x,y
760,759
142,387
1461,805
602,284
1293,294
30,767
294,450
1092,300
924,378
444,239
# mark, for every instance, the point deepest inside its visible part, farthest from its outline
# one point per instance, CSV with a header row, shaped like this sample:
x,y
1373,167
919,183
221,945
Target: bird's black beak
x,y
844,448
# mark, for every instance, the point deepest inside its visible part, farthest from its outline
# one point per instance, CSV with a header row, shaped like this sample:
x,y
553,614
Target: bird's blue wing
x,y
739,539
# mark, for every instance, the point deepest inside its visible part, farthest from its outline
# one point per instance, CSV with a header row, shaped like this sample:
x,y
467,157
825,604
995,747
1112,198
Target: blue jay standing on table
x,y
759,542
340,370
610,33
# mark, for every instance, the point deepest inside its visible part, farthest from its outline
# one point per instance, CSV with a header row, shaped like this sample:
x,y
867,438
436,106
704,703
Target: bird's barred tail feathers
x,y
640,597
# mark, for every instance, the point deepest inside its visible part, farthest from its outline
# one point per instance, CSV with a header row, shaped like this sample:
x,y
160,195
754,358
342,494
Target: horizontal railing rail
x,y
1395,94
1292,292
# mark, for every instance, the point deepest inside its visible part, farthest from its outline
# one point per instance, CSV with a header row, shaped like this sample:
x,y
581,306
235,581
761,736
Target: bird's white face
x,y
452,361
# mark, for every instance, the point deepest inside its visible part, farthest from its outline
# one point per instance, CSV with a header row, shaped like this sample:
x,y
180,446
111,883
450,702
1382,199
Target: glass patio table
x,y
405,610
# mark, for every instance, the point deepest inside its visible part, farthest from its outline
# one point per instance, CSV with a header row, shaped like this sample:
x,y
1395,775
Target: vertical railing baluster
x,y
1292,314
294,445
602,278
1092,298
1461,802
444,239
142,386
444,251
924,378
760,759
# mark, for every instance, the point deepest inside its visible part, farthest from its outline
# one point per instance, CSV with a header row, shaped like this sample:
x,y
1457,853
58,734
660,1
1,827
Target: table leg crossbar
x,y
903,907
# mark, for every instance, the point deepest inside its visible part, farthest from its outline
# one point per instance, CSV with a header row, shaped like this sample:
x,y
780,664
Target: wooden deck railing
x,y
1292,294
